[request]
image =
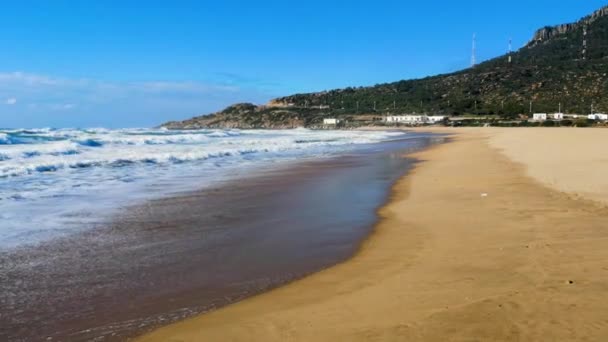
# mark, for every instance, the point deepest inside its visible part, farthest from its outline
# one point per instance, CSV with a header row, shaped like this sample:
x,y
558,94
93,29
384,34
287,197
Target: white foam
x,y
49,176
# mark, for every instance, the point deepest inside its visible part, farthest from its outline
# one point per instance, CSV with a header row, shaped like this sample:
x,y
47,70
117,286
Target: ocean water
x,y
58,181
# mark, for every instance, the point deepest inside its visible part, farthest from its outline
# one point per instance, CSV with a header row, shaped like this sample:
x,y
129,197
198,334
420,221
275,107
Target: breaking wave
x,y
42,170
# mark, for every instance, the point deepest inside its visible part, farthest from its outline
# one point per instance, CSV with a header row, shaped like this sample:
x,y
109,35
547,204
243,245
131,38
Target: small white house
x,y
415,119
331,121
408,119
557,116
598,116
399,118
539,116
435,119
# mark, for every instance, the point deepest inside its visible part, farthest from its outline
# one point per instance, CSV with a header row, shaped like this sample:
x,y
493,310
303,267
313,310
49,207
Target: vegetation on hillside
x,y
545,73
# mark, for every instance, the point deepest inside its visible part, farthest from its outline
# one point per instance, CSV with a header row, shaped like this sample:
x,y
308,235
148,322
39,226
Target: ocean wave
x,y
90,143
41,164
48,173
4,139
51,150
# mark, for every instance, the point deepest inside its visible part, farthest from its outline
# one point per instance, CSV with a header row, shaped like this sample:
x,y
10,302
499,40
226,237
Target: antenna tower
x,y
474,51
510,50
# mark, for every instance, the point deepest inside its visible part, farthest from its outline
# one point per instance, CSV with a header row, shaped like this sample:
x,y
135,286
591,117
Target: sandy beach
x,y
171,258
499,235
569,160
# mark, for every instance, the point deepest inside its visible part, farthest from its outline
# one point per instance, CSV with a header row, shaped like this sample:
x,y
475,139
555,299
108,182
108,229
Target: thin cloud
x,y
11,101
115,103
36,82
64,106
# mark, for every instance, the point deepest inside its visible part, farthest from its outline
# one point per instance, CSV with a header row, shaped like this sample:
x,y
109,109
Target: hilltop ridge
x,y
551,32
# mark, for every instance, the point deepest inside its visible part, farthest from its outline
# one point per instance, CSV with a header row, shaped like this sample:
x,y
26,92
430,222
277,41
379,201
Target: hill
x,y
554,67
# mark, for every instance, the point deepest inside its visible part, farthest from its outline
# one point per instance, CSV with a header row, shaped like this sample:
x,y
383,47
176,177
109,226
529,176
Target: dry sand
x,y
470,248
567,159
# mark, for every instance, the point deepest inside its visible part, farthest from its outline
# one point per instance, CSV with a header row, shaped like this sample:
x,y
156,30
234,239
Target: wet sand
x,y
173,258
470,248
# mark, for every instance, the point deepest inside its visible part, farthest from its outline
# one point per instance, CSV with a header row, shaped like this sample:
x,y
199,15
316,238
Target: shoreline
x,y
172,258
502,270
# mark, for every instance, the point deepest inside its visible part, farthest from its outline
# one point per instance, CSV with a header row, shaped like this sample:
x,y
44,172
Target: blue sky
x,y
133,63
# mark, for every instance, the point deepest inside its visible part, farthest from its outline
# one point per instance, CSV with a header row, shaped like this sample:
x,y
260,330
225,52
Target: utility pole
x,y
357,107
584,52
374,106
510,50
530,107
394,105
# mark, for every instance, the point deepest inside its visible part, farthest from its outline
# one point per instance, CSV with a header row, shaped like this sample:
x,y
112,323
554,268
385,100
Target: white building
x,y
598,116
414,119
557,116
331,121
405,119
436,118
539,117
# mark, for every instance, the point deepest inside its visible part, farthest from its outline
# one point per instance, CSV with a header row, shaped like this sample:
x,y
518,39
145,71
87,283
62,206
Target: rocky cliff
x,y
553,32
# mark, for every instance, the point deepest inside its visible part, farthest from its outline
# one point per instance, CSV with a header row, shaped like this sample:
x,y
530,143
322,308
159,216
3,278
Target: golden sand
x,y
470,248
567,159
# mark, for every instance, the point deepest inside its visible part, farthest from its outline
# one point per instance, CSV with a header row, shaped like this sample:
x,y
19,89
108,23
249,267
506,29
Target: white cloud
x,y
61,106
29,79
37,82
113,102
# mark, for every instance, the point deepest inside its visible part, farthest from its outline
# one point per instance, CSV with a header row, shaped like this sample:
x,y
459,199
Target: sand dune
x,y
470,248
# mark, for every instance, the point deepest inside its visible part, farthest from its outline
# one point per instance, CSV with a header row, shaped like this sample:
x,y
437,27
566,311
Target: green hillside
x,y
547,71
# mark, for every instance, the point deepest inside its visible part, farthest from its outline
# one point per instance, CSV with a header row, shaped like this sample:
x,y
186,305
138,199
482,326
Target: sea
x,y
54,182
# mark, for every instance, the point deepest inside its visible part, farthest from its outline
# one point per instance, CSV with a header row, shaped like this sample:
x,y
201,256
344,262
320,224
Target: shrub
x,y
548,123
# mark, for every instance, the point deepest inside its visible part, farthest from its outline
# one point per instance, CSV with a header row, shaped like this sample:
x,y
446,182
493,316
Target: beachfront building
x,y
433,119
539,117
413,119
557,116
598,116
331,122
